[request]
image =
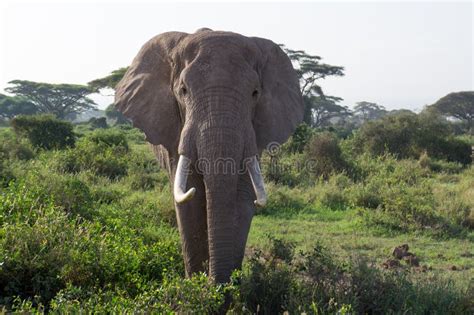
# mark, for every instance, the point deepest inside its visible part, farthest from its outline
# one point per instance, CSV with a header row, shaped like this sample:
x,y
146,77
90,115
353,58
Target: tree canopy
x,y
325,108
369,111
113,114
459,105
108,82
61,100
11,106
309,68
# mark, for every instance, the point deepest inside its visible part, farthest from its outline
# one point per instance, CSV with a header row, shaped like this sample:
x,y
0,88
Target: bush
x,y
402,195
44,131
103,151
285,169
407,135
317,283
439,165
174,295
300,138
43,249
67,192
14,148
285,201
324,151
98,123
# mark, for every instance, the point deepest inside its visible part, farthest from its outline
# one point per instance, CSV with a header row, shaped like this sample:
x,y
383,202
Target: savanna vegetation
x,y
370,211
88,224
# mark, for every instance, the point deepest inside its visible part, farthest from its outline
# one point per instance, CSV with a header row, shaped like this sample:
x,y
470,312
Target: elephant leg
x,y
245,211
192,224
191,217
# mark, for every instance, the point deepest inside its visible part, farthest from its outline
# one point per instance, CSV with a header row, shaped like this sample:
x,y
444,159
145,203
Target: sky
x,y
398,54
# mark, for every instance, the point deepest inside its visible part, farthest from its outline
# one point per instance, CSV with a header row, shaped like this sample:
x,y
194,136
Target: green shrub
x,y
285,169
12,147
300,138
324,151
104,152
439,165
43,249
315,282
144,172
402,195
407,135
174,295
333,198
44,131
109,138
98,123
285,201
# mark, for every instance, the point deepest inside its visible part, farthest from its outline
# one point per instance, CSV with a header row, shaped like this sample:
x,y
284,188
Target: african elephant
x,y
214,98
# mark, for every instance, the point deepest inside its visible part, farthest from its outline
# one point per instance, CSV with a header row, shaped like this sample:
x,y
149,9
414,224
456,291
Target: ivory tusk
x,y
257,182
179,189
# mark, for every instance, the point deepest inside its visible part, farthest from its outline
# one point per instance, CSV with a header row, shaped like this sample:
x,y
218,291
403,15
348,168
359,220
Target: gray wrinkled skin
x,y
212,95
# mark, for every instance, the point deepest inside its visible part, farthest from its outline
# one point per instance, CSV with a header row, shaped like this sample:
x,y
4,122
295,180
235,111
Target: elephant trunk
x,y
223,140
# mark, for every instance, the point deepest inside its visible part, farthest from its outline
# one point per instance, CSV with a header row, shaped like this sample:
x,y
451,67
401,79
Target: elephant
x,y
217,99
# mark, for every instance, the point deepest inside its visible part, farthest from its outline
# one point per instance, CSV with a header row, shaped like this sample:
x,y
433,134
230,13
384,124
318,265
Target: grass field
x,y
91,228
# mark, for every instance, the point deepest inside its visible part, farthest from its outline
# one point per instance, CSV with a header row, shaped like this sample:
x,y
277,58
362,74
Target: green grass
x,y
344,234
81,232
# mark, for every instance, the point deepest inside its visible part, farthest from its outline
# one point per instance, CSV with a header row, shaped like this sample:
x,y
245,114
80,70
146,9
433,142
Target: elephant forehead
x,y
215,44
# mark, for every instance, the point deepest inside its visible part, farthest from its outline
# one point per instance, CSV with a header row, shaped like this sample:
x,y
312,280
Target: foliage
x,y
369,111
92,229
103,151
300,138
98,123
315,282
43,250
408,136
13,147
61,100
113,114
108,82
310,69
326,156
11,106
325,108
44,131
459,105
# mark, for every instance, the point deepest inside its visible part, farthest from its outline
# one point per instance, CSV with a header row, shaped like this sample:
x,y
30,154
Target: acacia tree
x,y
310,69
324,109
113,114
459,105
369,111
11,106
108,82
61,100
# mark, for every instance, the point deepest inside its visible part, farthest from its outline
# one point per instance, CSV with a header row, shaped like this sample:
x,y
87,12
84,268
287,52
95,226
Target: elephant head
x,y
212,101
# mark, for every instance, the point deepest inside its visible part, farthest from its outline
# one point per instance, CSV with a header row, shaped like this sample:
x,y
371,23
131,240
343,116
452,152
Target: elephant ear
x,y
280,107
145,95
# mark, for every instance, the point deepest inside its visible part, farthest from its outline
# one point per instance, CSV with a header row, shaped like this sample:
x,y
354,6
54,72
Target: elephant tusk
x,y
179,189
257,182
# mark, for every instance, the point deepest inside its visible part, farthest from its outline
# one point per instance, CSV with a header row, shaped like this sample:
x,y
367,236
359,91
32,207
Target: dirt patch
x,y
401,253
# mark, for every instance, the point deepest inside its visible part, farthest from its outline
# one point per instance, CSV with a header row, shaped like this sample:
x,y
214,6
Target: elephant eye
x,y
255,94
184,91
